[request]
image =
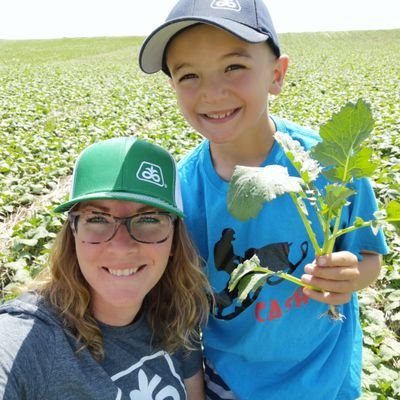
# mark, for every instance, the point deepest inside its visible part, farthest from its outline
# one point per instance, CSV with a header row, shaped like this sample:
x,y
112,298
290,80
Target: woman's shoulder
x,y
26,325
27,343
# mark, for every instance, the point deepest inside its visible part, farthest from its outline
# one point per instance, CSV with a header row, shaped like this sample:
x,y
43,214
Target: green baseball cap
x,y
126,168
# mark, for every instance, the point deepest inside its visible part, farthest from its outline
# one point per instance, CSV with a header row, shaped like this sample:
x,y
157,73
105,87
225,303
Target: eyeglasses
x,y
97,227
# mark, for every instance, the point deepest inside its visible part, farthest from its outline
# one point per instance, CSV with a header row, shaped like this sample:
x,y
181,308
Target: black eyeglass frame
x,y
73,215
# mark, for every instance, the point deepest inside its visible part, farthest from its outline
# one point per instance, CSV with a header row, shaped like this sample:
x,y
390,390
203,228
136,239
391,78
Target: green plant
x,y
341,158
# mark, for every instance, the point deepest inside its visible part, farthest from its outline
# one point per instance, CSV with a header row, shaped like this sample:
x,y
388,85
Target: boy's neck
x,y
252,152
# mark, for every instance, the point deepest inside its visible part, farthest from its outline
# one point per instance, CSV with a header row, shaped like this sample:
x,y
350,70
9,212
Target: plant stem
x,y
351,228
307,225
329,244
286,276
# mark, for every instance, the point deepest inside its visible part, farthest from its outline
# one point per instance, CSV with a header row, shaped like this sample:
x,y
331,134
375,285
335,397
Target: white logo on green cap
x,y
151,173
233,5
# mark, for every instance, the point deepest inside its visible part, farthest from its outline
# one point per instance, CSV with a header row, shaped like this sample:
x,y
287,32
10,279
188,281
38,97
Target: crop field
x,y
58,96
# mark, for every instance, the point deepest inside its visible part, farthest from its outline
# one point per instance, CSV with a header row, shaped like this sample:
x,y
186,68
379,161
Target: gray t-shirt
x,y
38,360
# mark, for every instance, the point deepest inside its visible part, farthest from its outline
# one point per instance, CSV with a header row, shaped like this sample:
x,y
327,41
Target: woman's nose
x,y
122,238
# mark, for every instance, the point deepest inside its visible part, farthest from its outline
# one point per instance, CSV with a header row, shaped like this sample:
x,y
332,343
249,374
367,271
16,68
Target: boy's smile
x,y
222,85
221,116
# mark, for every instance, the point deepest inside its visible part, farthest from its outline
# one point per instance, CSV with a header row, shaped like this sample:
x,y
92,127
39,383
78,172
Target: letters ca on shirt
x,y
146,384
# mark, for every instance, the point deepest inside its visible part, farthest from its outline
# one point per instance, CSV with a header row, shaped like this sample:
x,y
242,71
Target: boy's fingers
x,y
340,258
334,273
328,297
329,285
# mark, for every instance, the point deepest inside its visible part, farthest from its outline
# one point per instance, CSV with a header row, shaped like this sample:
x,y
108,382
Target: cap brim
x,y
120,196
152,51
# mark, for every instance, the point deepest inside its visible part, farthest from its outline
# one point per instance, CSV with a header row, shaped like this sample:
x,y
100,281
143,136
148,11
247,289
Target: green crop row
x,y
58,96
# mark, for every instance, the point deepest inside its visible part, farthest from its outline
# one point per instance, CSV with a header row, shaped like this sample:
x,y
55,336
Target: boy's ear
x,y
280,69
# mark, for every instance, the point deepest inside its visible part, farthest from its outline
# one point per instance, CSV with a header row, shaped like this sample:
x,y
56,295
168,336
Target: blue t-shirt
x,y
276,344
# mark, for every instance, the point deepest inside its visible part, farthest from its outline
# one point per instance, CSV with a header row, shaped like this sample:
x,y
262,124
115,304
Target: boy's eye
x,y
234,67
187,77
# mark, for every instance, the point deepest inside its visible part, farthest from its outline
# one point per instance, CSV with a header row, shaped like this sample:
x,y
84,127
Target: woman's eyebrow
x,y
141,209
146,208
95,207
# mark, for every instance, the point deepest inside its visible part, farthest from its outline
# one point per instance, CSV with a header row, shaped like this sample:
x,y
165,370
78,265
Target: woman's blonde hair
x,y
174,308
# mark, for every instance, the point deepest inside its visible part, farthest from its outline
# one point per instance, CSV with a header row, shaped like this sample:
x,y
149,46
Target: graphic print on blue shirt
x,y
275,256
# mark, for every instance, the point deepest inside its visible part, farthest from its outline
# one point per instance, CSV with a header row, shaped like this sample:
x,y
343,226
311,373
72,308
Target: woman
x,y
117,316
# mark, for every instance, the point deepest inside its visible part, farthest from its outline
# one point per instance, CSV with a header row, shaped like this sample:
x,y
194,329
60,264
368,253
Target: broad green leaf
x,y
250,283
384,373
4,167
41,232
308,168
393,213
16,265
22,275
390,214
335,199
26,242
340,149
376,317
395,297
390,348
241,270
359,166
251,187
395,316
370,360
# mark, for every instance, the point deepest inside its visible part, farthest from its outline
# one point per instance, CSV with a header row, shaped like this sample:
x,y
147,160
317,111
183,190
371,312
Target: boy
x,y
223,59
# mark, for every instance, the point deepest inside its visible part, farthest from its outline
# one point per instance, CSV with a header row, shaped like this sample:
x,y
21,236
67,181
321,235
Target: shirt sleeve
x,y
192,361
25,357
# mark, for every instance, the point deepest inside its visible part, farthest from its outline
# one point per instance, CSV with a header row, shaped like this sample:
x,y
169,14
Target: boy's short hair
x,y
249,20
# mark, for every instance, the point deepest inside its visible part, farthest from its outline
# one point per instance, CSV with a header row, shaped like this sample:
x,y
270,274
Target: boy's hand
x,y
339,275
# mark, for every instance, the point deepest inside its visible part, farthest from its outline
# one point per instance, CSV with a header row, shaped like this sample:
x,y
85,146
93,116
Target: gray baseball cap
x,y
247,19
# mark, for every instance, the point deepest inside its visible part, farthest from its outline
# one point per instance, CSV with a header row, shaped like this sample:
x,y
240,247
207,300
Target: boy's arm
x,y
340,274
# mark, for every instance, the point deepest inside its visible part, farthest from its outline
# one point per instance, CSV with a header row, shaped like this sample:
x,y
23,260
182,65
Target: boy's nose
x,y
213,91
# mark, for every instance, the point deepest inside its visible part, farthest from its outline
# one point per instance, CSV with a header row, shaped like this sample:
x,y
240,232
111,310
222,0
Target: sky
x,y
45,19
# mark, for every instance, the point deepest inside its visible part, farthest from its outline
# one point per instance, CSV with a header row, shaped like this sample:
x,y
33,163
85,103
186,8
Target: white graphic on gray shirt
x,y
146,389
151,387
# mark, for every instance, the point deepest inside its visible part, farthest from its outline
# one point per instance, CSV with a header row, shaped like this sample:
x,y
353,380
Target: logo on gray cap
x,y
232,5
